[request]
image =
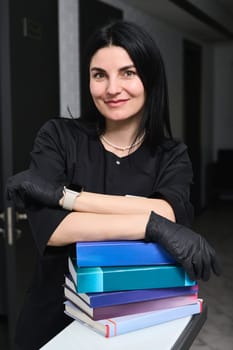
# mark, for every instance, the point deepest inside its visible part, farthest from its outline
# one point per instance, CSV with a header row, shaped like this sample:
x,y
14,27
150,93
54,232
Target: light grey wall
x,y
69,57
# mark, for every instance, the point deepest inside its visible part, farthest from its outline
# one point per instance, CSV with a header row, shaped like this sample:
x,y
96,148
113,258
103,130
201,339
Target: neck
x,y
122,132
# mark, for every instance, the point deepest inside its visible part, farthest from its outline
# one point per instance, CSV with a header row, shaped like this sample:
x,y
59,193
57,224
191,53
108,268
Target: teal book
x,y
121,253
128,296
106,279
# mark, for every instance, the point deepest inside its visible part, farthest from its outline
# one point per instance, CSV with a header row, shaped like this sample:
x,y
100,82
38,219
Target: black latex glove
x,y
187,247
27,187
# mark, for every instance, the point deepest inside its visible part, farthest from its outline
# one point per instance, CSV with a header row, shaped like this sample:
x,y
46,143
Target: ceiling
x,y
205,27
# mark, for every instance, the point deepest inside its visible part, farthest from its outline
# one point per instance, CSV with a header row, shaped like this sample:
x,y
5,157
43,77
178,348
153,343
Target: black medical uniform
x,y
67,151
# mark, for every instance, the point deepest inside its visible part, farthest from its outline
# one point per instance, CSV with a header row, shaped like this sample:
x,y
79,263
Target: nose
x,y
113,86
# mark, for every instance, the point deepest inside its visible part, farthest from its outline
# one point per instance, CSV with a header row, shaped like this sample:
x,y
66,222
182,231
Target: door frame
x,y
7,163
192,91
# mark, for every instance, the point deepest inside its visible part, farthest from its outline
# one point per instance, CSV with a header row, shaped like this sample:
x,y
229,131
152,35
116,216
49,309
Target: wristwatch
x,y
70,195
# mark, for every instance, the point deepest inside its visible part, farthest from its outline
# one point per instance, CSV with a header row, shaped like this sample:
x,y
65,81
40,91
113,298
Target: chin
x,y
116,118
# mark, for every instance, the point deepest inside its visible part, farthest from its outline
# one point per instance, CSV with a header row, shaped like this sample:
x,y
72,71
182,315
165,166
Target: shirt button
x,y
118,162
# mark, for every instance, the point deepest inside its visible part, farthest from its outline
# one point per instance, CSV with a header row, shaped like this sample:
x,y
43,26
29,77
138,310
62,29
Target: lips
x,y
116,103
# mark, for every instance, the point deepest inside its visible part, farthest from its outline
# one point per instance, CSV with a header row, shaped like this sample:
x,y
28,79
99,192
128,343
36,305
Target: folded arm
x,y
113,204
98,227
94,216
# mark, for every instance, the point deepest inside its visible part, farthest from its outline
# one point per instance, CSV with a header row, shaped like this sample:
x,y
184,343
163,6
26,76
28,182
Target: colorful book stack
x,y
119,286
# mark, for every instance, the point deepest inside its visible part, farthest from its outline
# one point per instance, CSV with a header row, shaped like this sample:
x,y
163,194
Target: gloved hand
x,y
187,247
27,186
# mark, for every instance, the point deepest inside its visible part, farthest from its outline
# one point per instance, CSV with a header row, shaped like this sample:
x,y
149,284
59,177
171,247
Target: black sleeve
x,y
48,156
43,221
174,179
48,159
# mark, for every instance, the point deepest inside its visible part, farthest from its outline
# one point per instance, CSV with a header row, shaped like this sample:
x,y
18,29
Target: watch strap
x,y
69,198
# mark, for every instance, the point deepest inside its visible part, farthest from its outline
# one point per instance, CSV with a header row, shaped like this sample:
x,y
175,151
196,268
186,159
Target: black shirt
x,y
67,151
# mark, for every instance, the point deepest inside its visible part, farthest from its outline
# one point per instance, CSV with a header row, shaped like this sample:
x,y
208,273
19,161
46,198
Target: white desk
x,y
79,337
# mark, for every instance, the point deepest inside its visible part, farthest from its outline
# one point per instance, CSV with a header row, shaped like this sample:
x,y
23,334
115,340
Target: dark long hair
x,y
150,67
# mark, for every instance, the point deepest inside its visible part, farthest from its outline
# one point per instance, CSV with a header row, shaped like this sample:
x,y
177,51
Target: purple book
x,y
125,297
99,313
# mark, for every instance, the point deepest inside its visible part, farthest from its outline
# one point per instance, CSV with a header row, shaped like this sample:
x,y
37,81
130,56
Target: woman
x,y
132,179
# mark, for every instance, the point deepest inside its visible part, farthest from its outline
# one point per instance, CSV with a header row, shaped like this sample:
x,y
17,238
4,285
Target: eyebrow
x,y
121,69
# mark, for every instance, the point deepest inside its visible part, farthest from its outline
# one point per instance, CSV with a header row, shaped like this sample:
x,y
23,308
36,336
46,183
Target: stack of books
x,y
119,286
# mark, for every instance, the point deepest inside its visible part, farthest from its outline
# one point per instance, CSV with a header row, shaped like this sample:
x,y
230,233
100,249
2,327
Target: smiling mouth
x,y
116,102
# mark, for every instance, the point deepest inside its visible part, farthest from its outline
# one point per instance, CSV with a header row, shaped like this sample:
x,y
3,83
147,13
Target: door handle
x,y
9,220
2,231
20,216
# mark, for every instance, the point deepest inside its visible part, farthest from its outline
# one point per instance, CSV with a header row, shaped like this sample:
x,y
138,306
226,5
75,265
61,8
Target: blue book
x,y
129,296
121,253
106,279
124,324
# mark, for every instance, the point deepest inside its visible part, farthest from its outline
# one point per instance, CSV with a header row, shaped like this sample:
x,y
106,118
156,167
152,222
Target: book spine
x,y
121,253
97,279
125,324
140,307
125,297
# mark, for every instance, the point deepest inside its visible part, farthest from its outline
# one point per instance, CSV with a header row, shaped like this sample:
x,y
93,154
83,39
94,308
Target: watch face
x,y
74,187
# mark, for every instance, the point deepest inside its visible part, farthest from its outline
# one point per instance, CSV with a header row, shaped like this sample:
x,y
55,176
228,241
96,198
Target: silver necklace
x,y
123,148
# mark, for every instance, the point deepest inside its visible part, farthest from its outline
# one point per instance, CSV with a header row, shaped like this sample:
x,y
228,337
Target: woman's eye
x,y
98,75
129,73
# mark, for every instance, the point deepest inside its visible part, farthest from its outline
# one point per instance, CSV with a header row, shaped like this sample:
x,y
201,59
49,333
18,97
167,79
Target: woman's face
x,y
115,86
